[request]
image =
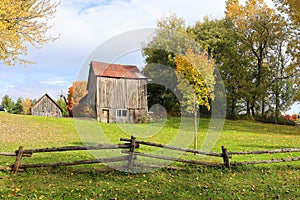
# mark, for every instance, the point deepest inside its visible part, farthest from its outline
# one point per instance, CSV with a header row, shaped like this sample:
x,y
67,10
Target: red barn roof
x,y
116,70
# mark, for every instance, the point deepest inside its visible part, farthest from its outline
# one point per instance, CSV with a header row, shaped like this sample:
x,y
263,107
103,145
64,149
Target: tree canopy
x,y
255,48
11,106
266,40
290,7
195,73
24,22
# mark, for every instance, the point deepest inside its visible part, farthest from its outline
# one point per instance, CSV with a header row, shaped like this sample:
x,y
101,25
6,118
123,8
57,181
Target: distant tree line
x,y
23,106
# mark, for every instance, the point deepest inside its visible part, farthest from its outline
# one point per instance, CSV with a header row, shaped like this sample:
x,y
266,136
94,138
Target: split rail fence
x,y
132,154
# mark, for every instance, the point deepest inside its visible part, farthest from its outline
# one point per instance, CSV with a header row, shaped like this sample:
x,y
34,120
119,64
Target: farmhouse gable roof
x,y
46,96
116,70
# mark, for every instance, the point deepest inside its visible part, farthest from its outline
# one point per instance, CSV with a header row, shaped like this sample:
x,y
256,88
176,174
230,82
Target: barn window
x,y
122,113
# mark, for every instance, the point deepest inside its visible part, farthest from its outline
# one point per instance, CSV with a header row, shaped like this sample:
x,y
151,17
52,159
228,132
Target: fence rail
x,y
178,159
130,148
14,154
173,148
287,150
266,161
77,148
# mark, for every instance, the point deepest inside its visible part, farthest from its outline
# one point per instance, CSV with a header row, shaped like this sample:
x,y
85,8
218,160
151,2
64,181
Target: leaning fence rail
x,y
173,148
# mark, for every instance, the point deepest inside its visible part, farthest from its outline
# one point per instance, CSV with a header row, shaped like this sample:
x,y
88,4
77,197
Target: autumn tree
x,y
26,105
70,101
195,73
75,93
291,11
258,28
197,70
291,8
219,39
79,91
22,23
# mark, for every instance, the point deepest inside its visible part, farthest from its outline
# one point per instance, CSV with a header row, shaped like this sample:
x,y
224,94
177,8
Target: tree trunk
x,y
233,109
263,108
248,109
195,125
252,107
277,111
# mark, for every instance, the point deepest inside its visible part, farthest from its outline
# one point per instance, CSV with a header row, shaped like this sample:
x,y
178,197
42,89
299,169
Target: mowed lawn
x,y
272,181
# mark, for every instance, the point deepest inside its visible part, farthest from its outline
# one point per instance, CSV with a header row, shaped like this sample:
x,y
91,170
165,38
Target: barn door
x,y
105,116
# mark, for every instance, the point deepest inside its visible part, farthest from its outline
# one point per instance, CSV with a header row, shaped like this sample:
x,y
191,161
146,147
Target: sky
x,y
85,25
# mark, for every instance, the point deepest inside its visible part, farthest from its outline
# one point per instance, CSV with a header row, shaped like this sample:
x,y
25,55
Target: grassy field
x,y
276,181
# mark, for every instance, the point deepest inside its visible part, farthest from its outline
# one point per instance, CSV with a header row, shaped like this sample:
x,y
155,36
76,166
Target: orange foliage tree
x,y
79,91
75,93
70,101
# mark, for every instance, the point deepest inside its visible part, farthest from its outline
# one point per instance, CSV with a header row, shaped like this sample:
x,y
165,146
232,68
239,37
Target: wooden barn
x,y
117,92
46,106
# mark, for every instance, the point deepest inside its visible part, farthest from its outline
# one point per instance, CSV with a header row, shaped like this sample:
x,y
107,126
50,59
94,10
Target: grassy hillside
x,y
278,181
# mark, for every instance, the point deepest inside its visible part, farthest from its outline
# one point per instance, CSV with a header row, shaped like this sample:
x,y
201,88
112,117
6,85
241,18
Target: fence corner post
x,y
131,152
225,158
18,160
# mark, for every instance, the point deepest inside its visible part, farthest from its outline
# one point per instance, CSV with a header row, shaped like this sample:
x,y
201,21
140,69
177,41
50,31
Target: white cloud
x,y
54,82
84,25
5,87
102,21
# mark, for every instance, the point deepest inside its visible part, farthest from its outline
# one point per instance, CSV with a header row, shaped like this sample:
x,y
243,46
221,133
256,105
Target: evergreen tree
x,y
8,103
18,109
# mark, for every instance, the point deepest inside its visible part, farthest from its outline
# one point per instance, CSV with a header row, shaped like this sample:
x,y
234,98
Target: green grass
x,y
204,183
274,181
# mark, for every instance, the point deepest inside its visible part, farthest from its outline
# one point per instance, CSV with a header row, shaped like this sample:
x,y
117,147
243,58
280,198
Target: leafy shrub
x,y
273,120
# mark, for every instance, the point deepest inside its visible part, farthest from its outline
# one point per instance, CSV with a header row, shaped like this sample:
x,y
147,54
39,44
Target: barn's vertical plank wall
x,y
117,92
46,106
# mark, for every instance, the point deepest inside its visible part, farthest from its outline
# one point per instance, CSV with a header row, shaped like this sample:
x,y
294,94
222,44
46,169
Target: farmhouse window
x,y
122,113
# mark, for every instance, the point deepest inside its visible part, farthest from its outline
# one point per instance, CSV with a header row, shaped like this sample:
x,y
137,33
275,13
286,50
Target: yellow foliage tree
x,y
24,22
26,105
265,35
196,80
290,7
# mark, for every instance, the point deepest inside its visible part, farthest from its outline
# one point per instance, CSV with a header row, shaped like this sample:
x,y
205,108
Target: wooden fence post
x,y
18,160
131,152
225,158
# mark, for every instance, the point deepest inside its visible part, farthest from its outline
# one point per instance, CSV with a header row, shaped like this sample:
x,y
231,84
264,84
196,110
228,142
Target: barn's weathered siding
x,y
92,88
117,92
46,106
121,99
